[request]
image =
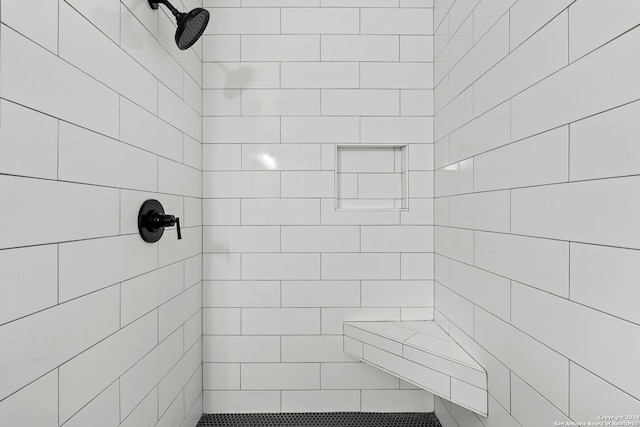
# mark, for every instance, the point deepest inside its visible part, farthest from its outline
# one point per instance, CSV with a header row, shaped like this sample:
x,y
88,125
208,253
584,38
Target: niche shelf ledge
x,y
422,353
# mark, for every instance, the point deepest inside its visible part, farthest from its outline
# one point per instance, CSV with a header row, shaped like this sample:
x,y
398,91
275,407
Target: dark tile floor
x,y
329,419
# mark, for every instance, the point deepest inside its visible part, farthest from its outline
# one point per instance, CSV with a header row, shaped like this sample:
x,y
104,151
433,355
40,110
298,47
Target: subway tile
x,y
541,263
518,164
359,3
74,211
227,349
373,160
278,376
484,133
416,102
221,266
527,17
400,75
103,411
330,75
33,76
244,21
569,328
240,75
25,289
397,293
320,129
362,102
487,13
297,157
591,266
221,157
193,330
280,47
83,377
241,294
171,386
585,35
280,212
455,243
173,415
178,113
89,157
220,48
530,408
39,22
313,348
144,130
359,48
456,178
144,293
491,292
55,335
320,400
193,91
488,211
142,379
450,48
421,183
397,400
591,158
416,48
320,21
567,212
221,376
147,50
456,308
459,12
307,184
540,56
281,102
221,211
229,239
396,21
416,266
420,212
177,178
28,142
145,414
550,375
175,312
281,3
19,409
360,266
354,376
397,130
321,239
245,130
454,114
192,270
592,397
193,399
334,318
102,59
240,402
280,266
321,294
241,184
397,239
568,88
192,152
173,250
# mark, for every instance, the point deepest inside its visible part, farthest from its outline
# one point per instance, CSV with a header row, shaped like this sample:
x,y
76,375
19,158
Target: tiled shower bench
x,y
423,354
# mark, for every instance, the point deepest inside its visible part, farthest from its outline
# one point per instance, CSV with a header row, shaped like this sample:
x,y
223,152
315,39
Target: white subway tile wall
x,y
536,239
100,111
285,82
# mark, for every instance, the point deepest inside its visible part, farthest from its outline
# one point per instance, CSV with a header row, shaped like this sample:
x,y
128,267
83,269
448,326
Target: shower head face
x,y
191,25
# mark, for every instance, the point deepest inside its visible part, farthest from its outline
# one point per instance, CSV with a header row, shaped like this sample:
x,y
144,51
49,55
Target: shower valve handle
x,y
152,221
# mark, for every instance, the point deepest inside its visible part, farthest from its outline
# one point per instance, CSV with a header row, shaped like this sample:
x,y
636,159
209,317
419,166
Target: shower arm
x,y
154,5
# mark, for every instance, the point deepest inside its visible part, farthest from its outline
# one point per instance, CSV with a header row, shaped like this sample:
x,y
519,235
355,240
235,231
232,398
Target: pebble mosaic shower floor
x,y
330,419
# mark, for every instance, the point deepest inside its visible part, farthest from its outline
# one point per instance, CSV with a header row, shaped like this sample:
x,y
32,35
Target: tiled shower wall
x,y
284,82
99,111
536,206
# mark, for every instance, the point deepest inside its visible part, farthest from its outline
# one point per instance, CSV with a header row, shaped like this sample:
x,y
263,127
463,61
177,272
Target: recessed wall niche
x,y
371,177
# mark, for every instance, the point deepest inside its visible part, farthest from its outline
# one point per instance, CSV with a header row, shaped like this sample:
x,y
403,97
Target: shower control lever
x,y
152,221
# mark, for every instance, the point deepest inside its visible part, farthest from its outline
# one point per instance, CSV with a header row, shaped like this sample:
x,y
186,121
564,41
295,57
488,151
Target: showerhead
x,y
191,25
